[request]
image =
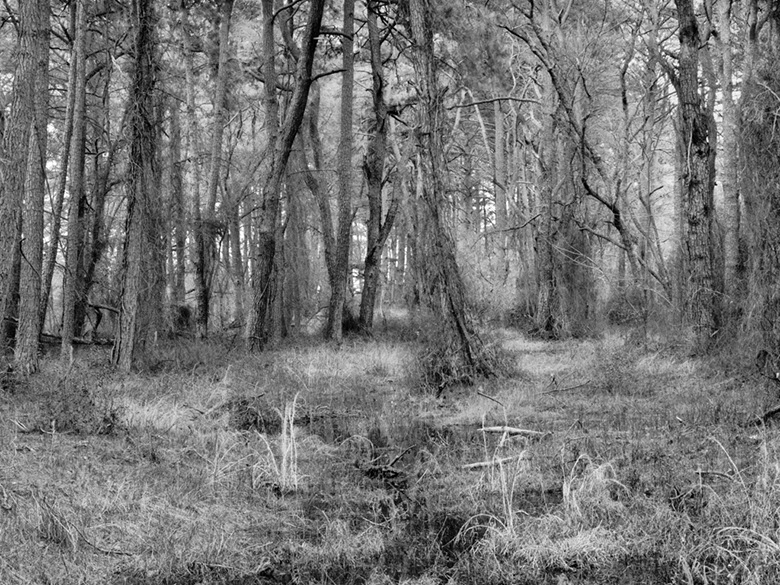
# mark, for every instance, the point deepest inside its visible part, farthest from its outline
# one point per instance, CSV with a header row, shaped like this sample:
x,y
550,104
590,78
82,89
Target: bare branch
x,y
497,99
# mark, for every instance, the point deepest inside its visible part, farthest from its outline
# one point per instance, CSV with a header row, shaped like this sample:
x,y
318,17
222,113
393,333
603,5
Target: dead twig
x,y
701,473
398,458
501,404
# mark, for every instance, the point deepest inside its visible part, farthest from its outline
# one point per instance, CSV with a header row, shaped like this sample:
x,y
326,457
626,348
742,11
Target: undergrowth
x,y
596,461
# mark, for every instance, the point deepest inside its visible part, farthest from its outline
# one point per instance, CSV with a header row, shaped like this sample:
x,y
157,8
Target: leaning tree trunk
x,y
13,162
29,332
698,184
260,325
143,257
445,287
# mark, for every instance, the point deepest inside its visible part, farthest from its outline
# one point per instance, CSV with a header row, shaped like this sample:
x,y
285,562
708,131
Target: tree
x,y
62,177
729,178
30,318
193,149
205,230
444,287
698,183
142,256
73,284
260,326
13,162
378,227
338,280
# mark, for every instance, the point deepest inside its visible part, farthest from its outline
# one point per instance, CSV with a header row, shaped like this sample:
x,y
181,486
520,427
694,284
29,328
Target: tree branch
x,y
493,100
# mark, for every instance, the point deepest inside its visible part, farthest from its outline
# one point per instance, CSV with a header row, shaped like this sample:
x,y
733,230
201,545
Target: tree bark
x,y
377,230
62,179
237,263
698,183
193,149
29,332
13,163
72,283
446,291
500,186
143,257
730,176
206,228
338,282
178,212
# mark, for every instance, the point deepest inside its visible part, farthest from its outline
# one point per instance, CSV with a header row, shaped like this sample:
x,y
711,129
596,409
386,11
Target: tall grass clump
x,y
281,467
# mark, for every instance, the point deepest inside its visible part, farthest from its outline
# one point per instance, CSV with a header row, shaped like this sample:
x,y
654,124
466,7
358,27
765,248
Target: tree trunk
x,y
72,284
193,148
207,253
701,305
445,290
178,215
338,281
13,162
237,263
499,186
29,332
730,177
260,326
377,231
143,257
548,317
62,179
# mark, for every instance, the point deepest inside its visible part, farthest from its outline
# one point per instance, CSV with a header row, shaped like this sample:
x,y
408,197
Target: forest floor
x,y
613,462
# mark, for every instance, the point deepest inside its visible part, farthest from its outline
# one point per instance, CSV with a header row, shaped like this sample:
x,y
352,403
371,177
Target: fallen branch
x,y
567,389
515,432
492,462
702,473
496,400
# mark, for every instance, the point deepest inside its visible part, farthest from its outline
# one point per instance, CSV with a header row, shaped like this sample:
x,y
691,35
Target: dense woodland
x,y
389,292
190,166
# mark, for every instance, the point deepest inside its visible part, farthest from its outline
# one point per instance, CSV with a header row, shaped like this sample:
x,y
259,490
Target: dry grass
x,y
323,465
